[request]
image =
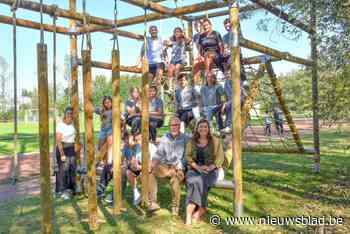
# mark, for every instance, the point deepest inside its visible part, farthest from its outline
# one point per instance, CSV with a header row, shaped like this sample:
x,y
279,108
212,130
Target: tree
x,y
102,86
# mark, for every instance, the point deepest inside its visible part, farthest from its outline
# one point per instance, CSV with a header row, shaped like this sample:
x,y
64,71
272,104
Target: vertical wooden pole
x,y
15,119
190,35
276,84
253,93
74,86
315,109
43,94
145,133
116,132
236,110
89,132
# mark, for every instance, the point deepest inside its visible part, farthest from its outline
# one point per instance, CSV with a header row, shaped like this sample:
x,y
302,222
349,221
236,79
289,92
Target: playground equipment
x,y
89,24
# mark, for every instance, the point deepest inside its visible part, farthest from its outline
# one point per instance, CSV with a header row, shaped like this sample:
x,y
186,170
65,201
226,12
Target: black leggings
x,y
65,177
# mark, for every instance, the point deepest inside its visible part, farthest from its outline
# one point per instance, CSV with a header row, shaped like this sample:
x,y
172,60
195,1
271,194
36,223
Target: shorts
x,y
135,172
154,67
175,62
217,58
104,133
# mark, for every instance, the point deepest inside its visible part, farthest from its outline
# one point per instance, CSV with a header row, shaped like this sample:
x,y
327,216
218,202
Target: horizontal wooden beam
x,y
257,60
34,25
180,11
150,5
279,150
59,12
107,29
246,8
108,66
281,14
273,52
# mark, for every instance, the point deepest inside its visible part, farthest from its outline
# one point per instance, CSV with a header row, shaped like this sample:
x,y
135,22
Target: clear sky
x,y
129,48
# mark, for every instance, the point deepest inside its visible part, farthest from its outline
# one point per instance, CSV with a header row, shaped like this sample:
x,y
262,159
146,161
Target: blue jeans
x,y
228,110
210,111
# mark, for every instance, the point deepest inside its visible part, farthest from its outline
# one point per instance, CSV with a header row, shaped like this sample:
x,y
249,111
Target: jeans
x,y
210,111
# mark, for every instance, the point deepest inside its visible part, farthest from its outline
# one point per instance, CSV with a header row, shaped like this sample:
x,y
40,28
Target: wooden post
x,y
74,88
15,119
145,133
253,93
276,84
116,132
89,132
43,94
315,108
236,110
190,35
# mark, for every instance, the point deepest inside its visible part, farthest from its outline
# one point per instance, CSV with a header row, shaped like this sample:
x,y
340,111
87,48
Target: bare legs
x,y
194,213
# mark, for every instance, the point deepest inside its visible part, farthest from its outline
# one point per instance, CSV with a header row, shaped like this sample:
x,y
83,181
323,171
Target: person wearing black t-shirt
x,y
211,46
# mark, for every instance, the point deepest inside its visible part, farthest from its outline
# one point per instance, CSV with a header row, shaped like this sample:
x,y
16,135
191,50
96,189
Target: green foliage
x,y
334,93
102,86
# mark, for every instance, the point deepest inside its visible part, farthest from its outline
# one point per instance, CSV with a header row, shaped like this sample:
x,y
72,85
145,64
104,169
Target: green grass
x,y
274,185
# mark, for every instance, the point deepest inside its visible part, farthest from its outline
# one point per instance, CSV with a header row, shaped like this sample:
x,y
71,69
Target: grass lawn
x,y
274,185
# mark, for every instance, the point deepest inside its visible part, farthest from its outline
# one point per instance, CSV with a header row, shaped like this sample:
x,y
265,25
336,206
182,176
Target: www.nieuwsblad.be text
x,y
281,221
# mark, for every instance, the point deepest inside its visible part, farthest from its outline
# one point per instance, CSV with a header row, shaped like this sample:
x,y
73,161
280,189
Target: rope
x,y
115,26
86,20
41,23
15,135
145,30
181,18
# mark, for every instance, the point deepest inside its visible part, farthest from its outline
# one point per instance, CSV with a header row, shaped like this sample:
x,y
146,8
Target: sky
x,y
129,48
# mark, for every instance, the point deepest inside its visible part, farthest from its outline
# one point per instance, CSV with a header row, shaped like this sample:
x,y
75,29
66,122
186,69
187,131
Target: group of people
x,y
177,157
195,158
278,120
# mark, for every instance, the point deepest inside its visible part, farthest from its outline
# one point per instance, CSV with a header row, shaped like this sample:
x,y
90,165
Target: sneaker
x,y
109,199
137,197
175,210
226,130
65,196
153,207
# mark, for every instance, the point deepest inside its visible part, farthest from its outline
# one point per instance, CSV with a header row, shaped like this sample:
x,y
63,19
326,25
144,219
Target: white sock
x,y
182,127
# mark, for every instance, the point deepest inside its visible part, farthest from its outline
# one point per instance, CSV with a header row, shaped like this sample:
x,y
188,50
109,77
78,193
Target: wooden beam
x,y
108,29
315,98
236,110
116,146
145,134
34,25
276,84
281,14
59,12
45,185
253,93
89,132
273,52
150,5
243,9
74,90
276,150
256,60
108,66
209,5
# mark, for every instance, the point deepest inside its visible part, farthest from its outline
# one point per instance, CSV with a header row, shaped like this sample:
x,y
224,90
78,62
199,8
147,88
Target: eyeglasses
x,y
174,125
